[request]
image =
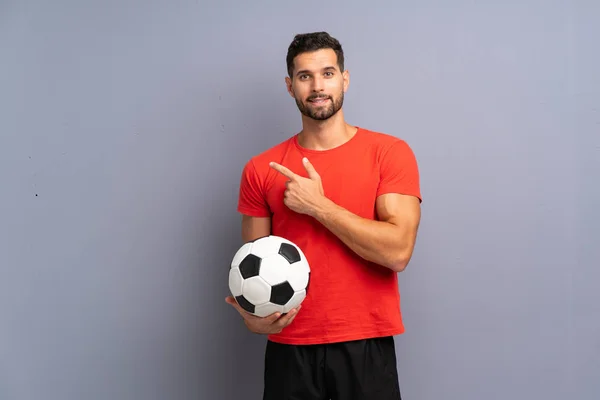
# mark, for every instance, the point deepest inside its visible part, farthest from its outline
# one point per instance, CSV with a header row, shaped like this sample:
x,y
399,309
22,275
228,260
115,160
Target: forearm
x,y
377,241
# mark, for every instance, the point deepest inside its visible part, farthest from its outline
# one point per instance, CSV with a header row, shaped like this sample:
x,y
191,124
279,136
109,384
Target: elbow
x,y
399,265
400,262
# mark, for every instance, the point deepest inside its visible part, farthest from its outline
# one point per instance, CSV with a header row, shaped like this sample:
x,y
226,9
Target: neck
x,y
325,135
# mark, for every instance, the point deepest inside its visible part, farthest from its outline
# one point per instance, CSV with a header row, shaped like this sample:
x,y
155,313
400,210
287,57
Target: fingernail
x,y
305,159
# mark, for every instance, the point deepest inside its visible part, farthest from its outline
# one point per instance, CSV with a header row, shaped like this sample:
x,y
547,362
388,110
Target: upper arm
x,y
252,204
399,194
255,227
404,212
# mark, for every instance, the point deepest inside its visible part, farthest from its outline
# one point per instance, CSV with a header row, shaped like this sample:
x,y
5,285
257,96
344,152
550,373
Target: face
x,y
318,85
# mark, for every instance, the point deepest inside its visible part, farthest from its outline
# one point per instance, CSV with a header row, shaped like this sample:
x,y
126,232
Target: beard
x,y
321,112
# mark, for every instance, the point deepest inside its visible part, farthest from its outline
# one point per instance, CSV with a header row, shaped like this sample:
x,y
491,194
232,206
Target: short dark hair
x,y
307,42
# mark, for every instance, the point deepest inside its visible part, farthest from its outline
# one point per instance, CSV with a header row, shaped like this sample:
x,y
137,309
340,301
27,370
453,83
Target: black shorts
x,y
356,370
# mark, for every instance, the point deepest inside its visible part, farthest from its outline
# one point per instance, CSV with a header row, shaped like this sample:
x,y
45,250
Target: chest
x,y
350,183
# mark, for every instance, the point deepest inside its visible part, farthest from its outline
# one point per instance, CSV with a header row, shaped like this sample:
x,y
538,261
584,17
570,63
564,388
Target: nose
x,y
318,85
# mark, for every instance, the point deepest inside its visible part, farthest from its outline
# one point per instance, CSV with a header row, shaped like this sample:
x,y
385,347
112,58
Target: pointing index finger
x,y
283,170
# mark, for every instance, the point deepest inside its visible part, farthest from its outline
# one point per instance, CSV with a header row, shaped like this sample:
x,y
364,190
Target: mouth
x,y
318,100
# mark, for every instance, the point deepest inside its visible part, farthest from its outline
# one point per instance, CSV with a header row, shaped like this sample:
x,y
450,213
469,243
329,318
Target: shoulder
x,y
259,163
385,144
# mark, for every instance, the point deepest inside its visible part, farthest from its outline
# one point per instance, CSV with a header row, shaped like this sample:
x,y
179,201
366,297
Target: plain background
x,y
124,127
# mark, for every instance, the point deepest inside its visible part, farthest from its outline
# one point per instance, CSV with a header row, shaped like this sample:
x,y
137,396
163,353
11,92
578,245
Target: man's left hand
x,y
303,195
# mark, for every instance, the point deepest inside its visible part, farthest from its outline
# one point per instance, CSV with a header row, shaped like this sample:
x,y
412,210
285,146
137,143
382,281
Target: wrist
x,y
323,208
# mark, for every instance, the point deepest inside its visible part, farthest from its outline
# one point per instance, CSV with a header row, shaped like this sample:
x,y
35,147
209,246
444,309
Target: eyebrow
x,y
305,71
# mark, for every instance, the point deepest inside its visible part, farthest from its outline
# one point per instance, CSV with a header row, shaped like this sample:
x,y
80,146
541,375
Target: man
x,y
350,199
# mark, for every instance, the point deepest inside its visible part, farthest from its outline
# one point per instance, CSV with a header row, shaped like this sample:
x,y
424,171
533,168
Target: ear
x,y
288,83
346,76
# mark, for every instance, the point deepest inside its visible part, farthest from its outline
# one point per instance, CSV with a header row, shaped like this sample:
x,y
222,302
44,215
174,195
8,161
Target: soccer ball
x,y
268,275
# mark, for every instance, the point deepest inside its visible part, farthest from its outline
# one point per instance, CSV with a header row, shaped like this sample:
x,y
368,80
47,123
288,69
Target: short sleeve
x,y
251,199
399,172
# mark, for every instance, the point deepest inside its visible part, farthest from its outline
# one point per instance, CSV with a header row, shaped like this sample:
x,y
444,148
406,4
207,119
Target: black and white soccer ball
x,y
268,275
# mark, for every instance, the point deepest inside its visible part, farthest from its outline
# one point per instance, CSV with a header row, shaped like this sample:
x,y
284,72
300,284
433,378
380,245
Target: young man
x,y
350,199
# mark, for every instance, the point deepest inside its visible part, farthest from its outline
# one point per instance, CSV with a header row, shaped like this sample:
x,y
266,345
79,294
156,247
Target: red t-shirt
x,y
348,298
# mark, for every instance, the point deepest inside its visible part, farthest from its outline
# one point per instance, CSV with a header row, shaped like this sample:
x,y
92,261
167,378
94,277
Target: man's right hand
x,y
270,324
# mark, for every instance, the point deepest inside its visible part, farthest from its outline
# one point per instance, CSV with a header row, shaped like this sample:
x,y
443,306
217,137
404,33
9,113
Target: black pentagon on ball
x,y
289,252
245,304
250,266
281,293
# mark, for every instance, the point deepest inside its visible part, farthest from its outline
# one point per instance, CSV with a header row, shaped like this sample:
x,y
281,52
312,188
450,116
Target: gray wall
x,y
124,127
